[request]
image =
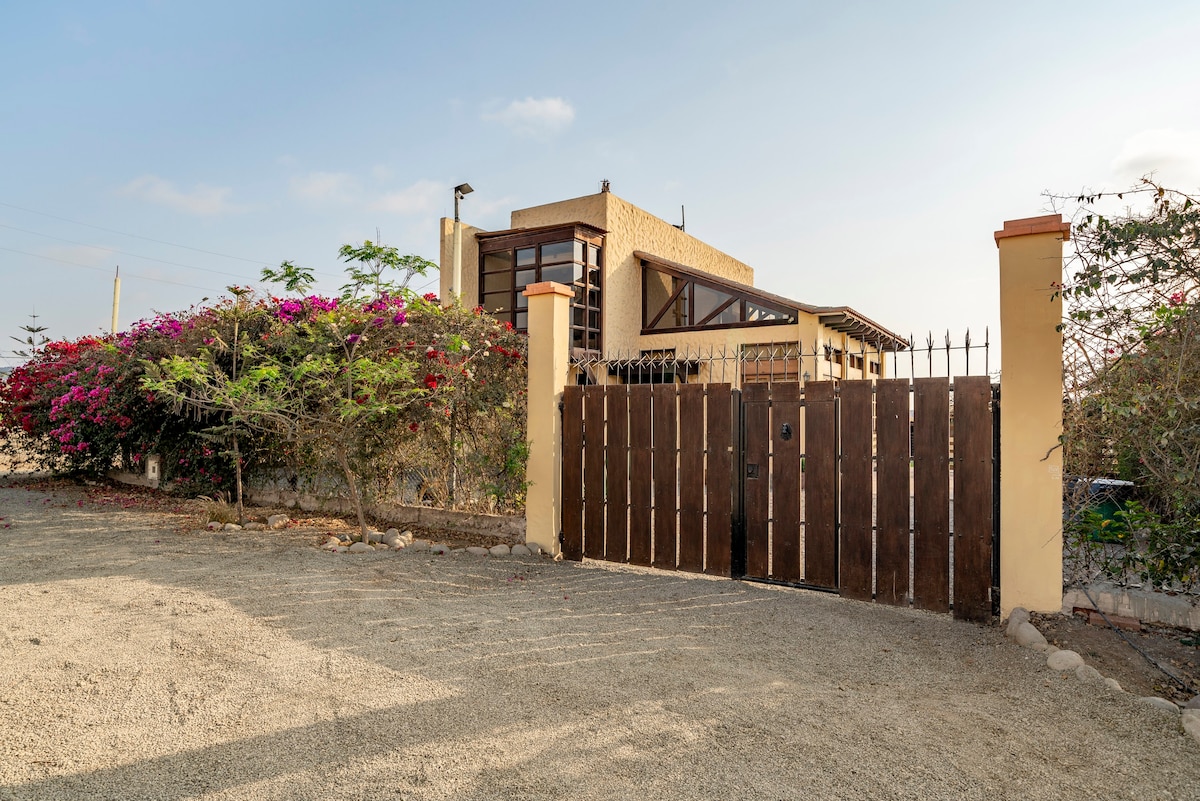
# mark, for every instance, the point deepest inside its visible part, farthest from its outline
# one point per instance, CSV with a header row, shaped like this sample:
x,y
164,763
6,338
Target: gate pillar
x,y
549,371
1031,381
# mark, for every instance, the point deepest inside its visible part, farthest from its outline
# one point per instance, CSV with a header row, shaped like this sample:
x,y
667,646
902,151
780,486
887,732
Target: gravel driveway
x,y
139,661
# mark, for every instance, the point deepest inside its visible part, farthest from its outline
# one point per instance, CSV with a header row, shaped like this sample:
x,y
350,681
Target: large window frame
x,y
570,254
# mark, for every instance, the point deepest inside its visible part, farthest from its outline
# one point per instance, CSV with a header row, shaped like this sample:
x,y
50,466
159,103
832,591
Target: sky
x,y
852,153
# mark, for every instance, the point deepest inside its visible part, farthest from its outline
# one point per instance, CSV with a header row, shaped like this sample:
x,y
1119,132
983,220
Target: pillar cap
x,y
1046,224
548,288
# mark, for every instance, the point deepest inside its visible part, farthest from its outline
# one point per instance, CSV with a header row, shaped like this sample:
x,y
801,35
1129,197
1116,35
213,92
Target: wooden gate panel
x,y
972,498
756,400
893,473
691,477
572,473
785,481
666,476
616,531
856,548
641,496
820,484
593,472
931,494
718,480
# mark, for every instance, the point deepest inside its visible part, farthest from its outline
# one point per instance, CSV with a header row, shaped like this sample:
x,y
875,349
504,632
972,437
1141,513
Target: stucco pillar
x,y
1031,391
549,370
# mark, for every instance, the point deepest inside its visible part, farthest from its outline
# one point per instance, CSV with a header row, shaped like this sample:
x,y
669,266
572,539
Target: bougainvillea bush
x,y
402,398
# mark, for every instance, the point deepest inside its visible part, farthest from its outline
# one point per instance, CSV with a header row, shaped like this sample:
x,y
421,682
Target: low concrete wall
x,y
510,527
1179,611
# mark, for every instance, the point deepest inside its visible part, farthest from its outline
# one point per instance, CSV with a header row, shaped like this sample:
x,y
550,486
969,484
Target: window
x,y
856,362
509,261
875,368
674,297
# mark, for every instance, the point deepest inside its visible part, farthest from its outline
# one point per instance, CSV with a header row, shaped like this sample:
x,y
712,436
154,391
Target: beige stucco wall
x,y
470,262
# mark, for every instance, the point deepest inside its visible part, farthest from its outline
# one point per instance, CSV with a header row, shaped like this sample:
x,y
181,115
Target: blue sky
x,y
852,153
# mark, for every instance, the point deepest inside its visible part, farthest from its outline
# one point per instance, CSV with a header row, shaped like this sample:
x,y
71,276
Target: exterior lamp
x,y
460,192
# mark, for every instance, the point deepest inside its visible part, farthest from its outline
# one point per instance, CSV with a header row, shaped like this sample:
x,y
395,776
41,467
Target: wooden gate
x,y
880,490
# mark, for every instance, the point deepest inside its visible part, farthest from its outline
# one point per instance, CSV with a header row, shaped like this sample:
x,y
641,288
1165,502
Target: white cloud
x,y
1172,155
423,197
336,187
535,117
203,199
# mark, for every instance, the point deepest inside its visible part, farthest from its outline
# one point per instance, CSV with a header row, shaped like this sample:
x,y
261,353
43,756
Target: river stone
x,y
374,536
360,547
391,537
332,544
1191,723
1064,660
382,546
1159,703
1025,634
439,548
406,536
1193,703
419,545
256,526
1088,675
278,521
1016,617
1044,648
232,527
521,550
1114,685
498,550
476,550
342,549
214,526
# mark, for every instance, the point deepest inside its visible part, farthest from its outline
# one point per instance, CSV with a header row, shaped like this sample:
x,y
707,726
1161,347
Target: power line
x,y
105,269
135,236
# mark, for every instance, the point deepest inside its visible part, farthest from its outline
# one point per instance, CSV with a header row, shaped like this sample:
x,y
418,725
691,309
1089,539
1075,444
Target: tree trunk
x,y
352,483
237,480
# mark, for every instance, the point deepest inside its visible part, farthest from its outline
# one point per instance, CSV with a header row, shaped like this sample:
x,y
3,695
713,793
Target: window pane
x,y
558,251
707,300
576,338
594,277
497,301
563,273
522,301
594,319
593,340
677,315
580,295
526,257
521,321
497,282
593,255
594,298
497,262
504,317
762,314
525,278
577,317
656,288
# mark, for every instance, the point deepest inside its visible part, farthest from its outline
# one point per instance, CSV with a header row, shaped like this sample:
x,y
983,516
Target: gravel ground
x,y
139,660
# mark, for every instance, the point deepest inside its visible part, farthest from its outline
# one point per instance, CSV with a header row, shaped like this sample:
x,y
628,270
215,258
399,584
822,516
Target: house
x,y
645,290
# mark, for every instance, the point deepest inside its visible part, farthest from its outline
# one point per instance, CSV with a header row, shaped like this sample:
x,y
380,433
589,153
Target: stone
x,y
1193,703
1158,703
278,521
382,546
1025,634
419,545
521,550
391,537
439,548
1114,685
1064,660
498,550
360,547
399,545
374,536
1088,675
214,526
406,537
1044,648
256,526
1191,723
332,544
231,527
1016,617
342,549
534,549
476,550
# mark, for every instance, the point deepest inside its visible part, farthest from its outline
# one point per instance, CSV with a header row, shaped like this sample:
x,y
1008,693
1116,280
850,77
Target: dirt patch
x,y
1104,649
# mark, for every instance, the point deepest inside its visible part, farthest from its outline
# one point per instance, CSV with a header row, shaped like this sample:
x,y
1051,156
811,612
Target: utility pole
x,y
116,298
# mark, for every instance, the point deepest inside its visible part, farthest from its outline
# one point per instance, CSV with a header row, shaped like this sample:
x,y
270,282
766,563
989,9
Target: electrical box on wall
x,y
153,463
